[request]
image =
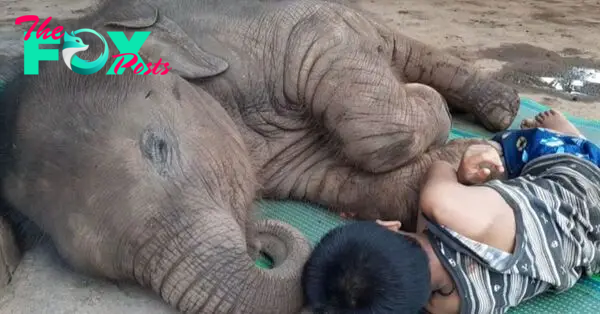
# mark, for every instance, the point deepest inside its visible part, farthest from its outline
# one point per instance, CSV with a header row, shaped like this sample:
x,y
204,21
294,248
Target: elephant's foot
x,y
9,253
496,105
465,88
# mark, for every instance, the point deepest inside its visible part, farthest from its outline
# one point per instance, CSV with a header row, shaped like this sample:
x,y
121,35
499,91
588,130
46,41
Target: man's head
x,y
364,268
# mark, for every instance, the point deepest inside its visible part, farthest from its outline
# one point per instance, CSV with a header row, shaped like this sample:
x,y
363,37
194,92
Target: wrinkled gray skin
x,y
152,178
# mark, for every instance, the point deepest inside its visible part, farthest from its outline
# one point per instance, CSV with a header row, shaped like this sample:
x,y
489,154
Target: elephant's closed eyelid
x,y
158,146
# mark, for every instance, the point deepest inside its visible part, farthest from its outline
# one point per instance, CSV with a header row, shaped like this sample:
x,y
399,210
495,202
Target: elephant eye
x,y
159,150
157,147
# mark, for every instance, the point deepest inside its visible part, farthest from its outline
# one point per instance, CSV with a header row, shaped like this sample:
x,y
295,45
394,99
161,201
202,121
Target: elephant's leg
x,y
436,108
389,196
9,253
384,124
465,88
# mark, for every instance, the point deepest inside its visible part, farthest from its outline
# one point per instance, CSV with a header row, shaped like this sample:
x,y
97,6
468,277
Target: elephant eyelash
x,y
160,151
157,149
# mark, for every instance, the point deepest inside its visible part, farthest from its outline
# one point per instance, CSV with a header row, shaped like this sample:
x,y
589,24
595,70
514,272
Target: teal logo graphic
x,y
127,58
73,44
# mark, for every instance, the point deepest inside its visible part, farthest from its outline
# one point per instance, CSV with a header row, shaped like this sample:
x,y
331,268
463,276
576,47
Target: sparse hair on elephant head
x,y
362,267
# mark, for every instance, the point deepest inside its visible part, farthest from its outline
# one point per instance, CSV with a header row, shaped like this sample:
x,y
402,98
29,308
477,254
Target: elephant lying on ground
x,y
151,178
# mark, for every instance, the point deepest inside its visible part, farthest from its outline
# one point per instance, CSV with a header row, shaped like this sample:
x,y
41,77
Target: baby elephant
x,y
151,178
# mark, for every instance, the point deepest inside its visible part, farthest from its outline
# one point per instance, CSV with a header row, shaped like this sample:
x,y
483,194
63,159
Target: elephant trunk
x,y
206,268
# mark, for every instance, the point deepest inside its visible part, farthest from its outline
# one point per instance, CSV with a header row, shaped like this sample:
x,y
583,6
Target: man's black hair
x,y
362,267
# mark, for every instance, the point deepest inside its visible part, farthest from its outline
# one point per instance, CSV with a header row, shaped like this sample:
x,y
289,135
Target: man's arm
x,y
477,212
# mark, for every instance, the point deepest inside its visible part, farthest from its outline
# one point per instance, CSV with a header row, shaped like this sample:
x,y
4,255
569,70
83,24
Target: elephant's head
x,y
145,177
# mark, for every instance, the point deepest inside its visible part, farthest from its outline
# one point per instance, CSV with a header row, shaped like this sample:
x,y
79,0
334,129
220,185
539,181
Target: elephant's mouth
x,y
280,246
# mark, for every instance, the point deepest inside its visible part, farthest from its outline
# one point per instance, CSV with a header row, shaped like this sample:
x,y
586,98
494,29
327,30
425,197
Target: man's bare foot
x,y
553,120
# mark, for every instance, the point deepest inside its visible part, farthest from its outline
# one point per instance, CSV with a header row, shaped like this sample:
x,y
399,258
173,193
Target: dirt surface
x,y
516,41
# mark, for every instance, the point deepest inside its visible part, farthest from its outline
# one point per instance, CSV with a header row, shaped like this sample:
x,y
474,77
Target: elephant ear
x,y
134,15
167,41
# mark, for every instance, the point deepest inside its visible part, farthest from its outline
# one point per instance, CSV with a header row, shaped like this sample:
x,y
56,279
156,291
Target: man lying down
x,y
520,217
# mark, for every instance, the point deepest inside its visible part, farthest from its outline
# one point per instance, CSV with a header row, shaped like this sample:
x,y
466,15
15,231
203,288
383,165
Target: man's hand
x,y
478,164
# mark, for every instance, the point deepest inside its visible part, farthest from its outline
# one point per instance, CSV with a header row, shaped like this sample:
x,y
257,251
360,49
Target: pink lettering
x,y
149,69
28,18
138,68
157,69
167,69
128,64
156,66
42,31
56,32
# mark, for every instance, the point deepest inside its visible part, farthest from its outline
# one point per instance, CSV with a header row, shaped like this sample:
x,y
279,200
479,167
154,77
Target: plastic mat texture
x,y
315,221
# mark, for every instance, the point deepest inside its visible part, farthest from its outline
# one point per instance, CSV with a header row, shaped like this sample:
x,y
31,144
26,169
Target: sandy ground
x,y
515,41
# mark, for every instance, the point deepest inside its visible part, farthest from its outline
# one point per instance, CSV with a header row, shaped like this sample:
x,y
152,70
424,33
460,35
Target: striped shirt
x,y
556,201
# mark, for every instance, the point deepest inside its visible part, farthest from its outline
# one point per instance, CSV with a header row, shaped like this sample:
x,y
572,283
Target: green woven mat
x,y
314,222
